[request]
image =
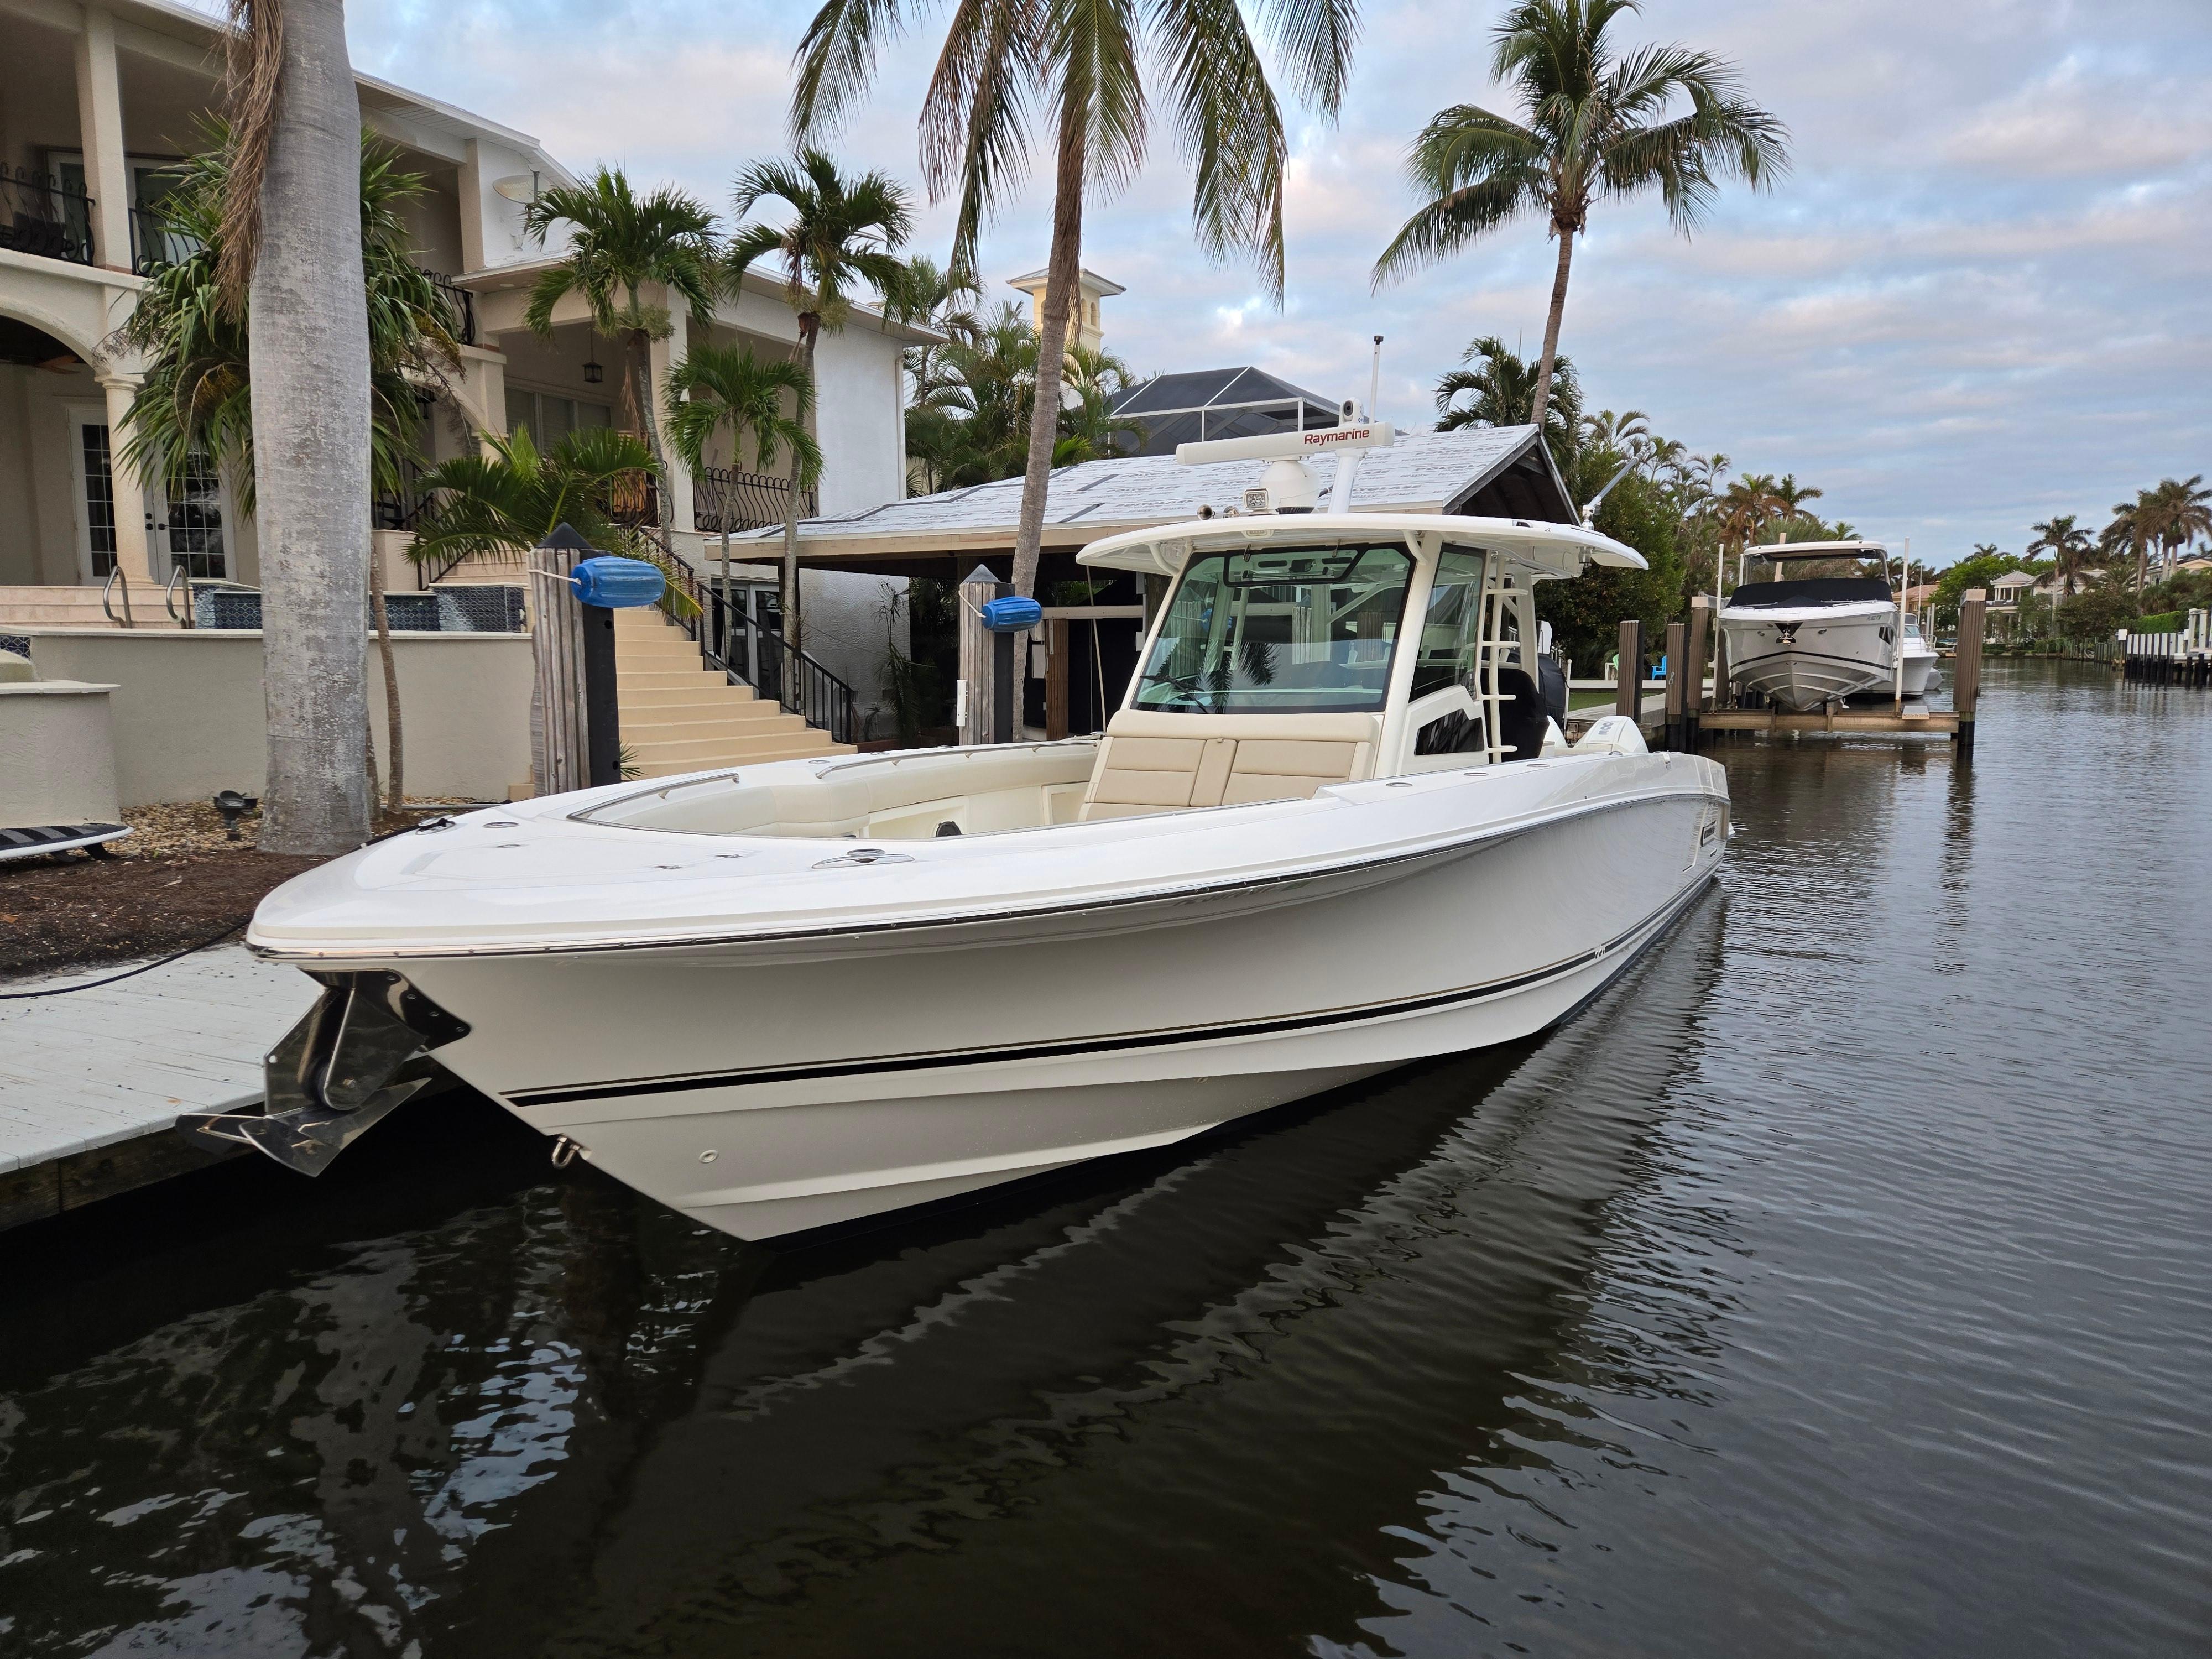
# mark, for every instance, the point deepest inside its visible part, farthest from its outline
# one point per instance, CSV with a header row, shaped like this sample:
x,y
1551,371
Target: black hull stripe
x,y
1859,663
1079,1046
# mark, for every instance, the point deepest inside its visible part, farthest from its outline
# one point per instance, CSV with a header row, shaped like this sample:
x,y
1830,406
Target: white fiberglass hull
x,y
766,1084
1804,657
1920,675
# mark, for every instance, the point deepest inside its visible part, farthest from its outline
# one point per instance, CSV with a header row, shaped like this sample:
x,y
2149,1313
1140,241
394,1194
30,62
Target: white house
x,y
97,101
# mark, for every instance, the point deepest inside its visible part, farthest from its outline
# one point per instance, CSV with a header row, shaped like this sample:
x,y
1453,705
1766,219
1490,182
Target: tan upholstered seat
x,y
1156,762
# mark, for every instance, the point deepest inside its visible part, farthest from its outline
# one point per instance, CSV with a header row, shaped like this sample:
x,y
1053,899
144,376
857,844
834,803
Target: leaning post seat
x,y
1153,761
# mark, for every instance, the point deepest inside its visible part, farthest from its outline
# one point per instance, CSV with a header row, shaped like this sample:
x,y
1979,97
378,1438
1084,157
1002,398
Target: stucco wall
x,y
56,758
189,719
858,397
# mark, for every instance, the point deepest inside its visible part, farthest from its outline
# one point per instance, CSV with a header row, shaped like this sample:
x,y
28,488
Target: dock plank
x,y
101,1067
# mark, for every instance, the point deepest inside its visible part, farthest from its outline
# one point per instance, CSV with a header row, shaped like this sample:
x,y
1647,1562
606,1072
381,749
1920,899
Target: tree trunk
x,y
640,399
1063,274
809,332
1552,329
307,344
395,784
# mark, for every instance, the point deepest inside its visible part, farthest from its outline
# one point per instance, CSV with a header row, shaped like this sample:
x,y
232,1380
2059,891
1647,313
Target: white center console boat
x,y
1804,645
1330,830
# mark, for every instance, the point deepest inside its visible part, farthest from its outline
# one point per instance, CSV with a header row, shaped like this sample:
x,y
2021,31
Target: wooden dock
x,y
91,1083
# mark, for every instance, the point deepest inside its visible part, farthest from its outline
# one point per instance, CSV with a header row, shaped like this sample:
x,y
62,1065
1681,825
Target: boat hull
x,y
1804,662
766,1088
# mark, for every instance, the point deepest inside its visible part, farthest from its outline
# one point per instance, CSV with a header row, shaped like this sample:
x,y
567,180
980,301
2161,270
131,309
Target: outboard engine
x,y
362,1049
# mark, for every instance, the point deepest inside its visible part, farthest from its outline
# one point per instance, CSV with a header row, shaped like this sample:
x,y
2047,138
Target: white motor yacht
x,y
1330,830
1806,644
1921,676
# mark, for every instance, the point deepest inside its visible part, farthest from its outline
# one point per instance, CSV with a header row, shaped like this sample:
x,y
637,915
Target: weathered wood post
x,y
1055,678
973,701
1679,696
1696,656
1628,686
1966,672
1005,686
560,757
1723,692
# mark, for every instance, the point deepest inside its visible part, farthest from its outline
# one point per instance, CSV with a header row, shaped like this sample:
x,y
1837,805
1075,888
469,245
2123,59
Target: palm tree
x,y
1501,391
2133,527
193,408
2181,512
2067,543
842,231
620,244
1080,64
1597,125
939,301
1089,428
718,387
515,497
974,425
291,268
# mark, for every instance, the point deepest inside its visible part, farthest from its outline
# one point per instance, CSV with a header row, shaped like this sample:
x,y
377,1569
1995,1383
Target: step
x,y
746,716
639,733
670,679
721,695
651,654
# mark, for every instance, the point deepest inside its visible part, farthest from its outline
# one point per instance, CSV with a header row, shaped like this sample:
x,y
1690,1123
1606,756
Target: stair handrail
x,y
773,666
115,575
169,598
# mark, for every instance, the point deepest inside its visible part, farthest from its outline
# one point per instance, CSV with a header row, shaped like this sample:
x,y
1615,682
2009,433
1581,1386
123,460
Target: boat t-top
x,y
1332,829
1808,644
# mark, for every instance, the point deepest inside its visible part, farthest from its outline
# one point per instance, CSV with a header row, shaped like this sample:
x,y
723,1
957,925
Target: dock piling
x,y
1628,688
1966,670
1678,685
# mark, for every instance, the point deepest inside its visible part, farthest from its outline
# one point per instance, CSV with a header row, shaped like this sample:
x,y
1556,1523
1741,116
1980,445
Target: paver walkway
x,y
86,1071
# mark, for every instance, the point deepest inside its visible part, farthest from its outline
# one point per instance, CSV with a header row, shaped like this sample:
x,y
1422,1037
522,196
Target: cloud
x,y
2081,122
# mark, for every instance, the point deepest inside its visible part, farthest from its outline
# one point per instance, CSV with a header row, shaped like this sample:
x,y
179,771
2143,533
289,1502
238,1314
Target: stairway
x,y
679,716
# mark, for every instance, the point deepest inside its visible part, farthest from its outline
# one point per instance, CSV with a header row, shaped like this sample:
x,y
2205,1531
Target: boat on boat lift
x,y
1332,829
1808,644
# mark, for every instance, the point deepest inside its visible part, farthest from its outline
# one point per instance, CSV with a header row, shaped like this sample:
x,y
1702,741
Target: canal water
x,y
1840,1283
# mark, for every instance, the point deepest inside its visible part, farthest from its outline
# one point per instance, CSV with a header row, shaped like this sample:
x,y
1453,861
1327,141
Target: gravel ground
x,y
173,882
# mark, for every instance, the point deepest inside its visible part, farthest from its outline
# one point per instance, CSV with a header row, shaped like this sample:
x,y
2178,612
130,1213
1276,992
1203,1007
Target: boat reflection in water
x,y
1202,1391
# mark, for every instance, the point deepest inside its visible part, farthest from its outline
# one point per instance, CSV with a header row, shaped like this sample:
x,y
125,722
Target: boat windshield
x,y
1279,631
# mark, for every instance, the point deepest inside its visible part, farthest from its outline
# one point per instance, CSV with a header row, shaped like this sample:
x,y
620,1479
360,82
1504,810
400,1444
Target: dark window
x,y
99,498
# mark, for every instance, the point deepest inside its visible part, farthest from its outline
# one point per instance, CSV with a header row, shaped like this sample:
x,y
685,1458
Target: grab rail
x,y
169,598
115,576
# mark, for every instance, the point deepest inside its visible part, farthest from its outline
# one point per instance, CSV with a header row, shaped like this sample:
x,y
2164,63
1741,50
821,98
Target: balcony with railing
x,y
724,499
39,214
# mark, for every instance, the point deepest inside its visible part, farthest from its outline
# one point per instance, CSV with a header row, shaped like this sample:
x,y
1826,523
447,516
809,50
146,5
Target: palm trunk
x,y
1063,273
809,332
307,343
395,786
1551,328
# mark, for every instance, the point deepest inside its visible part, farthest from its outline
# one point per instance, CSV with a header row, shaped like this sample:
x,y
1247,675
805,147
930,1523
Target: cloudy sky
x,y
1983,295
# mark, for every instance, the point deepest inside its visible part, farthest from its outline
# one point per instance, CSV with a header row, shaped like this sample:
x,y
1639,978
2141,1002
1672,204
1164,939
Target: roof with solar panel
x,y
1501,471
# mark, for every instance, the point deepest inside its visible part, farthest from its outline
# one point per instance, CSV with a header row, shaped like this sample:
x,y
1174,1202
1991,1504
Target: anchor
x,y
361,1051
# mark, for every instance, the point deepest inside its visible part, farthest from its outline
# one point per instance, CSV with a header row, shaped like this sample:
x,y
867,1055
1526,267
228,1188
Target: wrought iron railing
x,y
460,303
40,214
155,240
751,654
724,499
